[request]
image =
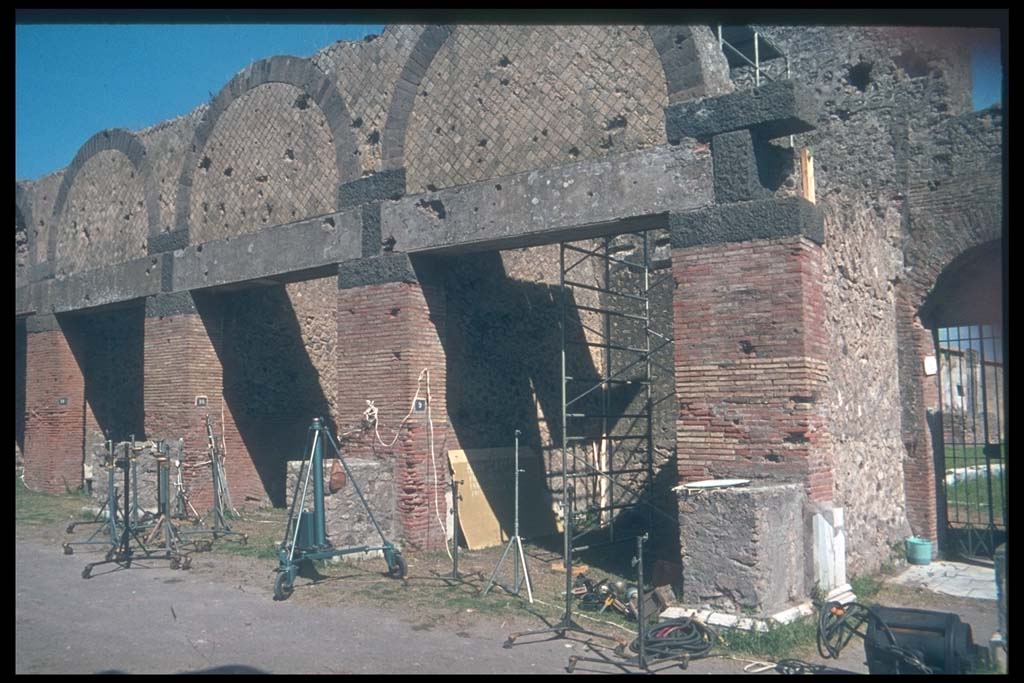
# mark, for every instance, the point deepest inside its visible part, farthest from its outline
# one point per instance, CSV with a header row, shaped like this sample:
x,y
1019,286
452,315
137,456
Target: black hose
x,y
677,637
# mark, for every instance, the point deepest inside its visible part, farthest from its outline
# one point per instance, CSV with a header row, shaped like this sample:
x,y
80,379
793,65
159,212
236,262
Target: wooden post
x,y
807,174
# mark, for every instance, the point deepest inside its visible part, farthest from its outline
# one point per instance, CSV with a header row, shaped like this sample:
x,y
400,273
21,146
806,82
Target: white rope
x,y
371,417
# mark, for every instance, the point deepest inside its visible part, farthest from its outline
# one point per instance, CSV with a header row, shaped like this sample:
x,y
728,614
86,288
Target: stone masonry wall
x,y
165,144
104,219
270,160
365,73
875,88
498,100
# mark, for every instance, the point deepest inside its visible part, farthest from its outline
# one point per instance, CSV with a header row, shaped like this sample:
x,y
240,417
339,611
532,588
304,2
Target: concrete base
x,y
743,547
952,578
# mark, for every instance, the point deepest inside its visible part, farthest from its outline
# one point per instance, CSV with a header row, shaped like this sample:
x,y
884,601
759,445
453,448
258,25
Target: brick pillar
x,y
54,407
182,362
391,328
750,362
920,424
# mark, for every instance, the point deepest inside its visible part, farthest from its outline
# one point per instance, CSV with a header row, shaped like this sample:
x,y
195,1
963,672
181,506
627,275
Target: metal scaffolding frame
x,y
588,410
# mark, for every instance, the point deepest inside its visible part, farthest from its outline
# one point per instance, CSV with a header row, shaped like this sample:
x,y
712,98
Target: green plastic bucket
x,y
919,550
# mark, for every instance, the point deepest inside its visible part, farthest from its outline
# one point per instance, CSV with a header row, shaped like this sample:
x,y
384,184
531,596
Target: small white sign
x,y
931,365
200,401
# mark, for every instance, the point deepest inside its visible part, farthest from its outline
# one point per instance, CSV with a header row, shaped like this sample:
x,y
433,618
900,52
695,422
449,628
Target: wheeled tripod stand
x,y
106,532
220,527
516,542
131,545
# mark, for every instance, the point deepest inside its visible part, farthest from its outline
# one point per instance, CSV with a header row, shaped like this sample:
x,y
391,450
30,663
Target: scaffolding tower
x,y
607,412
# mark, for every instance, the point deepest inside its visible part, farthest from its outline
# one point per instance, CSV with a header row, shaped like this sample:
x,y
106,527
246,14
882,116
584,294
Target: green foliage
x,y
779,641
865,587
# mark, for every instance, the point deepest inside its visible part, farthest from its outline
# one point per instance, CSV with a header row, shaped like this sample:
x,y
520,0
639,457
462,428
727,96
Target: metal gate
x,y
971,445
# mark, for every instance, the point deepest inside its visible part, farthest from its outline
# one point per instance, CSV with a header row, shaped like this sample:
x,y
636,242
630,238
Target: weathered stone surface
x,y
305,245
384,185
107,285
735,168
743,221
742,547
375,271
774,110
572,202
348,524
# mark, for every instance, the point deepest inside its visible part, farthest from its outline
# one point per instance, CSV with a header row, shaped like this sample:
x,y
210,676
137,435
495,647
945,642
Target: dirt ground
x,y
352,618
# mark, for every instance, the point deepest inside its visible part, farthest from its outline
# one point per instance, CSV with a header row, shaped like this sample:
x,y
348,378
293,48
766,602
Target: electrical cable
x,y
677,637
838,623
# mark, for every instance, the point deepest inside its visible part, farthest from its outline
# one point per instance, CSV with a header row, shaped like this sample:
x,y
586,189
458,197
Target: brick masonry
x,y
387,335
55,412
751,369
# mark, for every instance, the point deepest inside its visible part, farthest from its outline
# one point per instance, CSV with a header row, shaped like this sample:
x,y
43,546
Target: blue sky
x,y
74,80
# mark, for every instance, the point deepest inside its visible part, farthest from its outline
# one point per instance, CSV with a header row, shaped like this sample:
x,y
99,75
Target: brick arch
x,y
932,249
118,140
692,63
294,71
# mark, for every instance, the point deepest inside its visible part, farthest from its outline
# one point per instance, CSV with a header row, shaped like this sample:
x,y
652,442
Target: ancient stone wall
x,y
498,100
365,73
165,145
876,88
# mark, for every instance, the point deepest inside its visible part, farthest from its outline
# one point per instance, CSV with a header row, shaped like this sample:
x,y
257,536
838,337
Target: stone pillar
x,y
183,369
54,407
391,319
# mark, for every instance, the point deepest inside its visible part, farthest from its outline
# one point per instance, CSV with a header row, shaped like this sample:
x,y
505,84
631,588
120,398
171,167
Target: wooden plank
x,y
807,174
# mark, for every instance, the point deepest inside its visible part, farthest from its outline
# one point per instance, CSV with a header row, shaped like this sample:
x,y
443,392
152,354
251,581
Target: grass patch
x,y
33,507
967,501
779,641
865,587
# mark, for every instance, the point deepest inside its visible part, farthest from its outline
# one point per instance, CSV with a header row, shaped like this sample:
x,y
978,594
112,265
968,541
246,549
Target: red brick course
x,y
54,434
387,335
750,362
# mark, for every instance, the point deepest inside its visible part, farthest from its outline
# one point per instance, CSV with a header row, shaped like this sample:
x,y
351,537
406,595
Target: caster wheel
x,y
71,528
283,588
398,569
111,554
186,564
87,572
245,539
175,563
68,550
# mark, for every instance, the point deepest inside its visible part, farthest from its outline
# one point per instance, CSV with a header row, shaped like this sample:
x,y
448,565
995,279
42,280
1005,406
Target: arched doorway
x,y
964,314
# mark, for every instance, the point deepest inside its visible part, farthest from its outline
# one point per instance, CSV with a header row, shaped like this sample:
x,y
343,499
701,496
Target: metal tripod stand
x,y
567,623
107,526
515,542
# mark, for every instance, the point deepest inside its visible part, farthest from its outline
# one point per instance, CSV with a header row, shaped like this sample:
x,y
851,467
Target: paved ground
x,y
151,619
952,578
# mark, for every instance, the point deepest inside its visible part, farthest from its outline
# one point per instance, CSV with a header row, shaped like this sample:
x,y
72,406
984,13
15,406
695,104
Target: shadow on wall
x,y
503,352
271,386
108,347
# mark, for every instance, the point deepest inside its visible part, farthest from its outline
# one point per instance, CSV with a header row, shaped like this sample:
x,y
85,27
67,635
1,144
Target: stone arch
x,y
692,63
404,97
23,219
294,71
118,140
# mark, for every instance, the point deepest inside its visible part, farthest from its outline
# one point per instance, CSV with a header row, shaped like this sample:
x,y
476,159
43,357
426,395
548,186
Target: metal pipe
x,y
319,523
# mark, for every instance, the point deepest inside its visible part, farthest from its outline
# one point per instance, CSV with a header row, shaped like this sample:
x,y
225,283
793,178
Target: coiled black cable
x,y
838,623
677,637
